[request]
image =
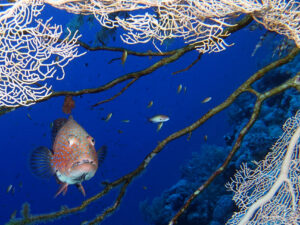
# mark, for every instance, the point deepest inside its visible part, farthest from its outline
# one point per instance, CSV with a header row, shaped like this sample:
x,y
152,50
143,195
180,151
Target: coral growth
x,y
214,205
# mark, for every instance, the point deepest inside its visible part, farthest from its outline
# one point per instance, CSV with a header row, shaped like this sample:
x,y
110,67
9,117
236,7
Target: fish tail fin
x,y
40,162
102,152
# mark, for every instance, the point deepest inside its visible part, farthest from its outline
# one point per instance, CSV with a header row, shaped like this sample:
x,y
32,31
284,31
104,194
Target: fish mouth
x,y
84,161
83,170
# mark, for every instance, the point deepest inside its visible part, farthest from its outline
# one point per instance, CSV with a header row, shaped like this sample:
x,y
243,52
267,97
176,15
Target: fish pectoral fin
x,y
81,189
62,189
102,152
40,162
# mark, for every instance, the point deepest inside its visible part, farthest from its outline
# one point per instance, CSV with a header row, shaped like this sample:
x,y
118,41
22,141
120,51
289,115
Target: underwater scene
x,y
150,112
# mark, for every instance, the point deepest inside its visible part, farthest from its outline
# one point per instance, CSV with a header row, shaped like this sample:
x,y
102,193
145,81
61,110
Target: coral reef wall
x,y
214,206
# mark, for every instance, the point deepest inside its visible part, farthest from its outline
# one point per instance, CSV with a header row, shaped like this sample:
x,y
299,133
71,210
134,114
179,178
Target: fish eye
x,y
92,140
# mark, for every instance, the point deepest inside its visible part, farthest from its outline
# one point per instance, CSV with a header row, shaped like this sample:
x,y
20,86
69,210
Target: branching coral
x,y
270,193
200,21
28,48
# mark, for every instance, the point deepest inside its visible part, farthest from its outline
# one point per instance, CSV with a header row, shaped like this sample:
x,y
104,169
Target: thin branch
x,y
190,66
118,94
116,205
114,59
119,49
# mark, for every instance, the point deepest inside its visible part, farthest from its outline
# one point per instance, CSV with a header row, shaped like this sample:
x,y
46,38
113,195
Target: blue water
x,y
216,75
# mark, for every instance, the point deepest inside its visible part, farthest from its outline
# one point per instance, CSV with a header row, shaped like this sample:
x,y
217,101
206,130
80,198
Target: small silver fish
x,y
179,88
159,119
9,188
125,121
206,100
159,126
108,117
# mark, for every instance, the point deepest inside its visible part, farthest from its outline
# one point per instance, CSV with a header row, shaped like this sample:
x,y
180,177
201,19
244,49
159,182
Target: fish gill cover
x,y
118,63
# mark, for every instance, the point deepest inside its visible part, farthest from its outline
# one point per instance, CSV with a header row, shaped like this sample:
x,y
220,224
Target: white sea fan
x,y
31,51
270,193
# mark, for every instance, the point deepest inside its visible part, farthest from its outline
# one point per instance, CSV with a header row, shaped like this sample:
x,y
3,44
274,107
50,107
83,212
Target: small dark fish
x,y
28,116
205,137
150,104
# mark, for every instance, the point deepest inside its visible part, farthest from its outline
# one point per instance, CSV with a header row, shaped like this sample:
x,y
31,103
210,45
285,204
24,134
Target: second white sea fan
x,y
269,194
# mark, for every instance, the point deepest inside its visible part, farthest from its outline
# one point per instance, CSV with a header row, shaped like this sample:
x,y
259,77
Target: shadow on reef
x,y
215,206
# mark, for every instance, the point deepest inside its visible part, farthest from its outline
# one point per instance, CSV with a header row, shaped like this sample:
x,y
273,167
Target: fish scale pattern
x,y
71,144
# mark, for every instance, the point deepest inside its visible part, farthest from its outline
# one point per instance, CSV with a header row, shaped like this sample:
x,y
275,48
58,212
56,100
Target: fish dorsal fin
x,y
71,117
57,124
40,162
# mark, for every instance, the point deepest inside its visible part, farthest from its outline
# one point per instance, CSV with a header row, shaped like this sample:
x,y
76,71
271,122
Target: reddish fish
x,y
73,159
